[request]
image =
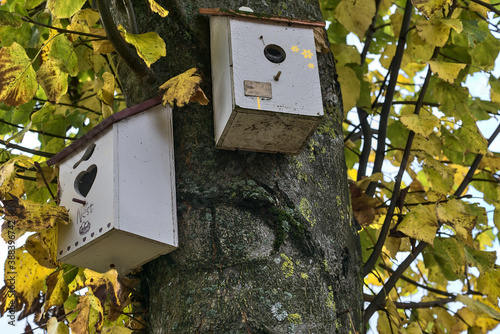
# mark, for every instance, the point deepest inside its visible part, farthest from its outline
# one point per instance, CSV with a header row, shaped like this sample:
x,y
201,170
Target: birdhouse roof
x,y
257,16
107,122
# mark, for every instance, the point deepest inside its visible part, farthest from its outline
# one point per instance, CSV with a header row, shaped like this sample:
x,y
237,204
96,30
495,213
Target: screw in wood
x,y
277,76
76,200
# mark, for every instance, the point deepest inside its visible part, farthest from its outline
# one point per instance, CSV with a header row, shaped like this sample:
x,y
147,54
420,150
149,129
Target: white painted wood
x,y
130,213
280,123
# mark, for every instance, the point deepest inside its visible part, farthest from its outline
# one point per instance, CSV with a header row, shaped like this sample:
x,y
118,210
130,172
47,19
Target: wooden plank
x,y
255,16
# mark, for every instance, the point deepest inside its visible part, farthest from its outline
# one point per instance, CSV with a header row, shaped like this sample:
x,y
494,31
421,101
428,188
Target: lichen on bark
x,y
251,258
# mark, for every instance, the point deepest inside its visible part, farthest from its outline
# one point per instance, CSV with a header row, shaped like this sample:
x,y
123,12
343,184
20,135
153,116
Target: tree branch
x,y
409,280
129,56
414,305
384,114
475,164
37,131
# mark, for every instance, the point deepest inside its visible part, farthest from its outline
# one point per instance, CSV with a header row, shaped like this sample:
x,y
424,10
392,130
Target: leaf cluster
x,y
415,153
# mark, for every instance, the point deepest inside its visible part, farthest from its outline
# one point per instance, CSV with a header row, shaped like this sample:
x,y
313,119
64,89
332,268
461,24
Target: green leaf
x,y
150,46
17,77
350,86
475,34
420,223
482,260
61,51
449,255
62,9
485,53
53,80
453,99
8,18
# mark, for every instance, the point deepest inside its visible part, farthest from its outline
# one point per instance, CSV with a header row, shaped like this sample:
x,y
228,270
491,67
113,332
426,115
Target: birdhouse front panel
x,y
261,53
118,184
266,88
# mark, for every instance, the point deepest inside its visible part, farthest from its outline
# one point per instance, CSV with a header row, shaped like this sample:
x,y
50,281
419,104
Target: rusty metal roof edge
x,y
119,116
256,16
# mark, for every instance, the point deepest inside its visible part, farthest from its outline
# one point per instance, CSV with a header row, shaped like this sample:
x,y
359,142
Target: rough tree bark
x,y
267,241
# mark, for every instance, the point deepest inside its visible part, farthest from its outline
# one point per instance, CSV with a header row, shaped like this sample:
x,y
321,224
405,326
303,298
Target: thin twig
x,y
414,305
40,170
61,30
27,150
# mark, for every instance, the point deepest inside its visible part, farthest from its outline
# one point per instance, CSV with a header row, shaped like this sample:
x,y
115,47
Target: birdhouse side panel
x,y
146,176
86,190
222,85
280,57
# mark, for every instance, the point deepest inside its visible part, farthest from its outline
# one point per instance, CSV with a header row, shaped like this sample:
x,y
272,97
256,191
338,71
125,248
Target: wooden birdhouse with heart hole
x,y
266,88
118,183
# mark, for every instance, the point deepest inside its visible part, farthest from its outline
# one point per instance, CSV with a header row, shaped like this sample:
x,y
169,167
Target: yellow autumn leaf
x,y
102,46
150,46
82,21
17,77
414,328
183,89
454,213
57,290
446,71
422,124
62,9
28,278
90,16
53,80
107,92
105,286
90,315
56,327
420,223
436,31
33,216
9,184
350,87
36,249
355,15
479,307
116,330
430,7
157,8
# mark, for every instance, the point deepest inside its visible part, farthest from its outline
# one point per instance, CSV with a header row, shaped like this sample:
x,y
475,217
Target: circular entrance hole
x,y
274,53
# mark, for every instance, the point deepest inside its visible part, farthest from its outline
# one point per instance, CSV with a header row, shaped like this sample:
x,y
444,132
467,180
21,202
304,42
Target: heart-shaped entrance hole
x,y
85,180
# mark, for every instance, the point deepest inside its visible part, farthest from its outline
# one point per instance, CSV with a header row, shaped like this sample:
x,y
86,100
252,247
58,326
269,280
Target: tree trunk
x,y
267,242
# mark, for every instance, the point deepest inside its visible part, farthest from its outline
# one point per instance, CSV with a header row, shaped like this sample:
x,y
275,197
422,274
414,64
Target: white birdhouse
x,y
266,88
118,183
